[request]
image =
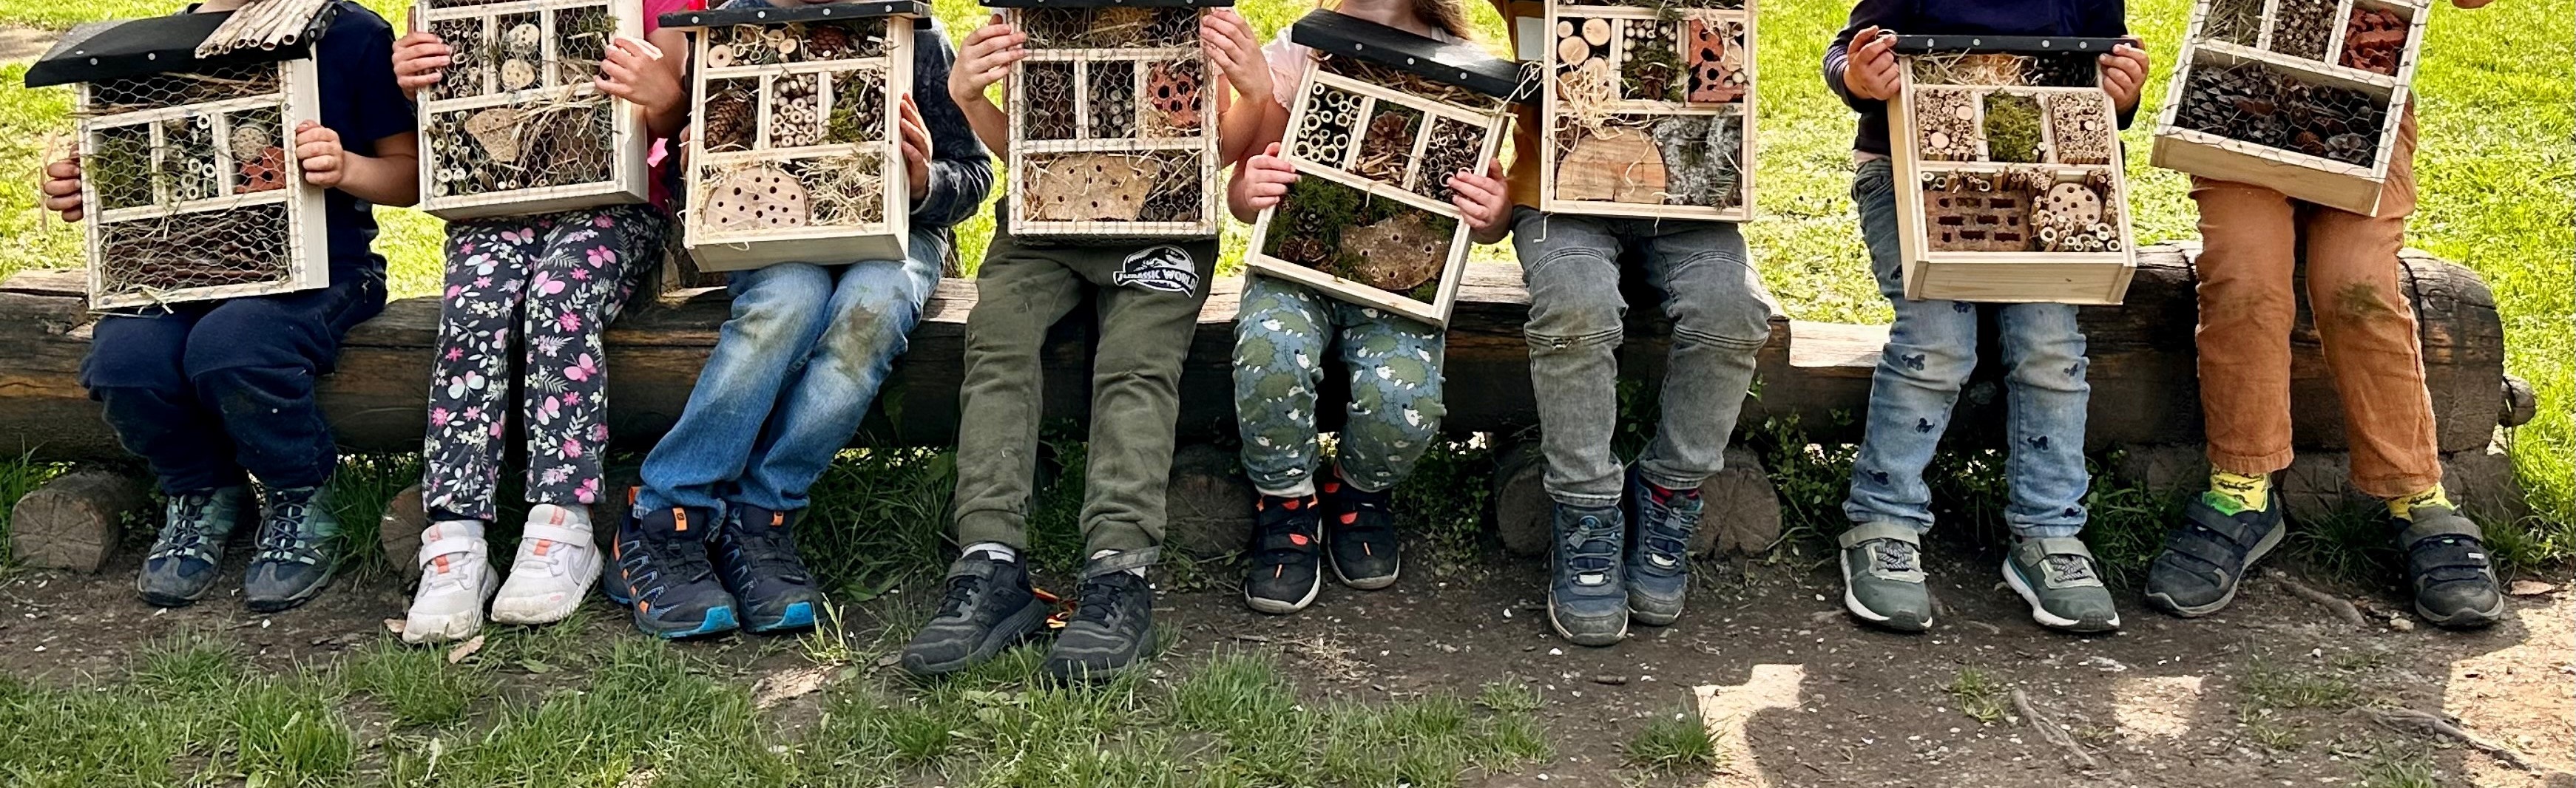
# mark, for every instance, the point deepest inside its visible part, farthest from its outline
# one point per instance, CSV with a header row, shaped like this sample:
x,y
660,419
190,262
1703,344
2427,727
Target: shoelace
x,y
280,538
1594,546
961,595
677,561
1100,598
2070,567
771,549
185,533
1667,529
1895,556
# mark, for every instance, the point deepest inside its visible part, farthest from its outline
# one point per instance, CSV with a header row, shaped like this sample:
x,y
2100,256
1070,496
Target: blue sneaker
x,y
1587,600
663,576
1659,561
298,551
755,553
185,558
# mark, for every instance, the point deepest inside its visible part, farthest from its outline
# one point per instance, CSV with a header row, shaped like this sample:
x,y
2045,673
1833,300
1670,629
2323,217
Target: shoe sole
x,y
1649,618
161,600
2012,577
719,620
2468,619
2261,548
1018,627
1066,673
1559,626
294,601
483,602
1852,603
797,616
559,612
1277,607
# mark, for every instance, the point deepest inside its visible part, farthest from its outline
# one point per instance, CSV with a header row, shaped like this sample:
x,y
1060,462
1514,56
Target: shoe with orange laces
x,y
1285,575
664,577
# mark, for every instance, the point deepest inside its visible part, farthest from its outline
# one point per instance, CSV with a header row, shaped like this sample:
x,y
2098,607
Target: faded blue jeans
x,y
1721,317
790,379
1929,353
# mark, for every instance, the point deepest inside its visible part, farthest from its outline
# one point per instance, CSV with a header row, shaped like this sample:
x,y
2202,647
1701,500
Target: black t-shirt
x,y
355,64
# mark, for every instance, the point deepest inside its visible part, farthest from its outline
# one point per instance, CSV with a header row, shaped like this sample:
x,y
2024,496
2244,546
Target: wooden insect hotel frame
x,y
517,125
188,190
2300,96
1378,126
1649,109
1113,122
795,149
2008,171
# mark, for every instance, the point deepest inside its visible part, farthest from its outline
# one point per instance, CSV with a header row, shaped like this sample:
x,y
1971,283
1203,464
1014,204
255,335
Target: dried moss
x,y
2012,128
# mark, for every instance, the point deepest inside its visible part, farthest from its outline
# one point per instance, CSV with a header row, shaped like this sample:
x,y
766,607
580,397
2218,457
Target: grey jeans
x,y
1721,316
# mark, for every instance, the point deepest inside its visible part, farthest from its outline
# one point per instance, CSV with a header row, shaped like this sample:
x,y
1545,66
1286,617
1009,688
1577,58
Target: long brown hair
x,y
1446,15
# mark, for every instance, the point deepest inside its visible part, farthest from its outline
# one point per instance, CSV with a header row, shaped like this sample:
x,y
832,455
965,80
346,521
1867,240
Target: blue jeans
x,y
790,379
1930,352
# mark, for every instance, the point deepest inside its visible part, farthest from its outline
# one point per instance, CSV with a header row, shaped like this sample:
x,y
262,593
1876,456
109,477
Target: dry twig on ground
x,y
2049,730
2339,606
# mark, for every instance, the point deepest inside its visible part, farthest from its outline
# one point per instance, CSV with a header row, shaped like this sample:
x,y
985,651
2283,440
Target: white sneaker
x,y
455,580
557,563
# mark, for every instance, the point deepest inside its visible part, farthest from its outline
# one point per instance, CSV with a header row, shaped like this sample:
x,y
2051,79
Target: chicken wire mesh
x,y
190,187
1108,95
516,117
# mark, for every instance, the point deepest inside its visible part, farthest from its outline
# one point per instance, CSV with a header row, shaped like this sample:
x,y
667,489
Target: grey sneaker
x,y
2205,559
1883,576
184,559
1587,598
2446,562
2056,576
298,542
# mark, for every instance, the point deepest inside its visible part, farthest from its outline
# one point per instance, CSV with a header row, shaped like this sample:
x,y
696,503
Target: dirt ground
x,y
1797,694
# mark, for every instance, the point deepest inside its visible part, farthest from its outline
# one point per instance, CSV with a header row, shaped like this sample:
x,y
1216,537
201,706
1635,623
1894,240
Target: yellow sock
x,y
2239,492
2403,507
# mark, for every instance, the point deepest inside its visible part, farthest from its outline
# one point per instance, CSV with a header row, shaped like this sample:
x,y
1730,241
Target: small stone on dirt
x,y
2530,588
465,649
1611,680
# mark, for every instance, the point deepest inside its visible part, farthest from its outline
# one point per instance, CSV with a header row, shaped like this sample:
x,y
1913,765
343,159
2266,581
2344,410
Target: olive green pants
x,y
1147,299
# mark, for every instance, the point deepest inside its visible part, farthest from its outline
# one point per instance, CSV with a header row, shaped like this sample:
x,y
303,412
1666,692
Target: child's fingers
x,y
636,47
63,168
617,73
617,89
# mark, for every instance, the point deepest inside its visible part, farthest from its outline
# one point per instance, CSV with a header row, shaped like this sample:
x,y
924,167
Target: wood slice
x,y
1397,254
1623,168
758,198
75,521
518,74
1521,505
1091,187
398,532
1571,51
1209,507
1597,31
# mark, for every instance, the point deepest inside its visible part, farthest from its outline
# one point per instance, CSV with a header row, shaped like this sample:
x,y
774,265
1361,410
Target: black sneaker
x,y
989,607
2219,541
1360,532
755,552
2446,562
1113,622
662,575
1283,577
185,558
298,551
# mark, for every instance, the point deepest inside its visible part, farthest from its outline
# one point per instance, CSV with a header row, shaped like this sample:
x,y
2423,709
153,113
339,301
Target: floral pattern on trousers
x,y
1280,340
544,287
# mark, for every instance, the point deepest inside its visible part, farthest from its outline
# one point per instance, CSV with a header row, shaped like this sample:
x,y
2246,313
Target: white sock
x,y
1138,571
994,550
574,516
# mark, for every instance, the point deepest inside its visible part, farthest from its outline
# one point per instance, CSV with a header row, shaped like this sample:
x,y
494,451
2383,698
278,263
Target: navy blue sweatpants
x,y
207,391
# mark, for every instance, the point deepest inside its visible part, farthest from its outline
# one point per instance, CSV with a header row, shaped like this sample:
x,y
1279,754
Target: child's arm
x,y
1253,118
1860,66
951,172
647,73
389,174
985,59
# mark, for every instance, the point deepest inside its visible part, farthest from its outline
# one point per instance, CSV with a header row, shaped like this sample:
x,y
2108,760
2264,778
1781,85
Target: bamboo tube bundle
x,y
266,24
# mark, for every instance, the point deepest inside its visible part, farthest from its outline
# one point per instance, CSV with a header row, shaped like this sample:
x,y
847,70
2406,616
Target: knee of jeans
x,y
112,368
2362,302
252,391
251,333
781,311
1556,324
1737,320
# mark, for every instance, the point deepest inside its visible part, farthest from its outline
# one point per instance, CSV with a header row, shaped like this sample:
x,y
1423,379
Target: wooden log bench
x,y
2144,383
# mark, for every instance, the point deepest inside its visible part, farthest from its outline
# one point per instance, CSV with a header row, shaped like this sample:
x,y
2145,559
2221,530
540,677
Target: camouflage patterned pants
x,y
1280,338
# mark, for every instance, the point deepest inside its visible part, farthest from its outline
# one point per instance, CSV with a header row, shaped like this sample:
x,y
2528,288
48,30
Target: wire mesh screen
x,y
191,194
516,123
794,136
1112,124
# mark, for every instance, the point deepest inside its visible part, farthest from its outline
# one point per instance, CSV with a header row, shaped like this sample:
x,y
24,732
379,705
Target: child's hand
x,y
985,59
2123,72
318,150
420,59
635,71
1870,71
63,187
1266,177
916,147
1228,42
1482,200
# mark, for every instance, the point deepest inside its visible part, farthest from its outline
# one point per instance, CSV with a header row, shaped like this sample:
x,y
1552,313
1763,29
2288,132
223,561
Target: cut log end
x,y
1208,509
76,520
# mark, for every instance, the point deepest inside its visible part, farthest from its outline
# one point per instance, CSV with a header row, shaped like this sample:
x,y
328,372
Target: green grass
x,y
1673,743
1981,695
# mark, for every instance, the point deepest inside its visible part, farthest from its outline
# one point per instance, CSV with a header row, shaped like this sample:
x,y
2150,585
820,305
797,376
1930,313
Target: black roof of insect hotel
x,y
1447,62
126,48
766,15
2006,45
1107,3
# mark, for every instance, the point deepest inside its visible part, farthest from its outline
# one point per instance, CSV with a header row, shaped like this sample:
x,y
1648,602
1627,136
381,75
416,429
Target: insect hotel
x,y
516,126
1113,129
1650,109
2300,96
794,152
1379,125
2008,171
186,123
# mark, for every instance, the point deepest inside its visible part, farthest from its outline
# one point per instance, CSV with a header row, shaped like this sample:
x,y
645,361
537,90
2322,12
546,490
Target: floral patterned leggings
x,y
556,280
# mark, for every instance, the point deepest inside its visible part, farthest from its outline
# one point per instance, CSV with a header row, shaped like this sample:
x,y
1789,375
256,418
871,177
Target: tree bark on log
x,y
2143,373
76,520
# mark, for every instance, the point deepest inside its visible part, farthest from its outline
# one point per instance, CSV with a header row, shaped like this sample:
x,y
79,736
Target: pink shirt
x,y
660,155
